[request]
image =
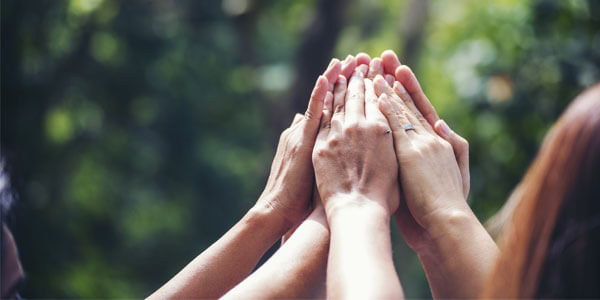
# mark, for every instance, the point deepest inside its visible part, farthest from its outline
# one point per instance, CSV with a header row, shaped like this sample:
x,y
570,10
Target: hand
x,y
353,154
288,189
409,89
429,173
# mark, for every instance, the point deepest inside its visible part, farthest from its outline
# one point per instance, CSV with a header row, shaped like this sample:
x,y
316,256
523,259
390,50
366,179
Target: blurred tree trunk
x,y
315,51
413,26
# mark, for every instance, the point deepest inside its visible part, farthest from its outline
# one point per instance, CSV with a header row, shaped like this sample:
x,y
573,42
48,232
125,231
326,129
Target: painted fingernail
x,y
445,130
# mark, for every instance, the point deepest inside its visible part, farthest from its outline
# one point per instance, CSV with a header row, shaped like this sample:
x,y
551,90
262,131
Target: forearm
x,y
459,258
229,260
296,270
360,255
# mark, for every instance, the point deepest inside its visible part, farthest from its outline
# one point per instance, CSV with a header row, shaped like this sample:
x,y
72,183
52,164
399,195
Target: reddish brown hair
x,y
551,247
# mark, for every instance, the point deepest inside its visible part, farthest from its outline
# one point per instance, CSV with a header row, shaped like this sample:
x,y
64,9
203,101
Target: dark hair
x,y
550,247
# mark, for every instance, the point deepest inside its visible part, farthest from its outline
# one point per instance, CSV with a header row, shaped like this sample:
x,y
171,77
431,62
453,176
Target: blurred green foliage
x,y
138,132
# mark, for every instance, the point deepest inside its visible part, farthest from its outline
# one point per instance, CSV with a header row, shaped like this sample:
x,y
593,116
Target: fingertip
x,y
348,66
333,61
383,103
399,88
442,128
341,81
361,69
379,84
407,77
363,58
322,81
390,79
390,61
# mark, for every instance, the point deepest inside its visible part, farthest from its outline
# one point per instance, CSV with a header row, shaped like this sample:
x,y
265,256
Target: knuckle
x,y
377,126
353,128
333,142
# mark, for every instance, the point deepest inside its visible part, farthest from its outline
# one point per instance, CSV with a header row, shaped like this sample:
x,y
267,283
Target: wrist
x,y
355,204
447,226
265,217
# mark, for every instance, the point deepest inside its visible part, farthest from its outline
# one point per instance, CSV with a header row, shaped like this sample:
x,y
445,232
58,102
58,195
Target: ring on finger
x,y
409,127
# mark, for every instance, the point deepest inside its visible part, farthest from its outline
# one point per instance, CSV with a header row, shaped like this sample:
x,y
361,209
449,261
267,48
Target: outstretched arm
x,y
284,202
356,175
297,269
435,219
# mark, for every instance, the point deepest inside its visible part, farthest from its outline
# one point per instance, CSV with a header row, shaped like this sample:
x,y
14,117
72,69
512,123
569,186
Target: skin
x,y
297,269
359,190
284,202
434,217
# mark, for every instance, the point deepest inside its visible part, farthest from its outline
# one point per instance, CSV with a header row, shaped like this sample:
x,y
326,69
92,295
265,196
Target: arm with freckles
x,y
284,202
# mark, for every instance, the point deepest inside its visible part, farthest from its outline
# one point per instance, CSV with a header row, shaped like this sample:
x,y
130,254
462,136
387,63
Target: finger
x,y
317,98
333,71
403,94
375,68
461,151
297,119
396,119
390,79
408,79
348,66
363,59
327,110
372,111
339,103
355,97
382,88
390,61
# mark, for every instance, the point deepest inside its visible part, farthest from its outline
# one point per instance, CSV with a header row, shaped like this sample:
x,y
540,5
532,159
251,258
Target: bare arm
x,y
360,258
456,251
284,202
223,265
356,174
296,270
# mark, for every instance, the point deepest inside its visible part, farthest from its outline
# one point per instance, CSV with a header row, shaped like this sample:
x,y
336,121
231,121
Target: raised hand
x,y
356,175
429,174
289,186
284,202
353,154
434,217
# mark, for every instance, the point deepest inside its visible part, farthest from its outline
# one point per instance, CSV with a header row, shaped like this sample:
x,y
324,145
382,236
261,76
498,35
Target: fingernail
x,y
383,99
348,58
333,61
445,130
399,88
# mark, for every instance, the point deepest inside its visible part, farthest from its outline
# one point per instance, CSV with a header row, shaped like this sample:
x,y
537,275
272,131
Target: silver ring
x,y
408,127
